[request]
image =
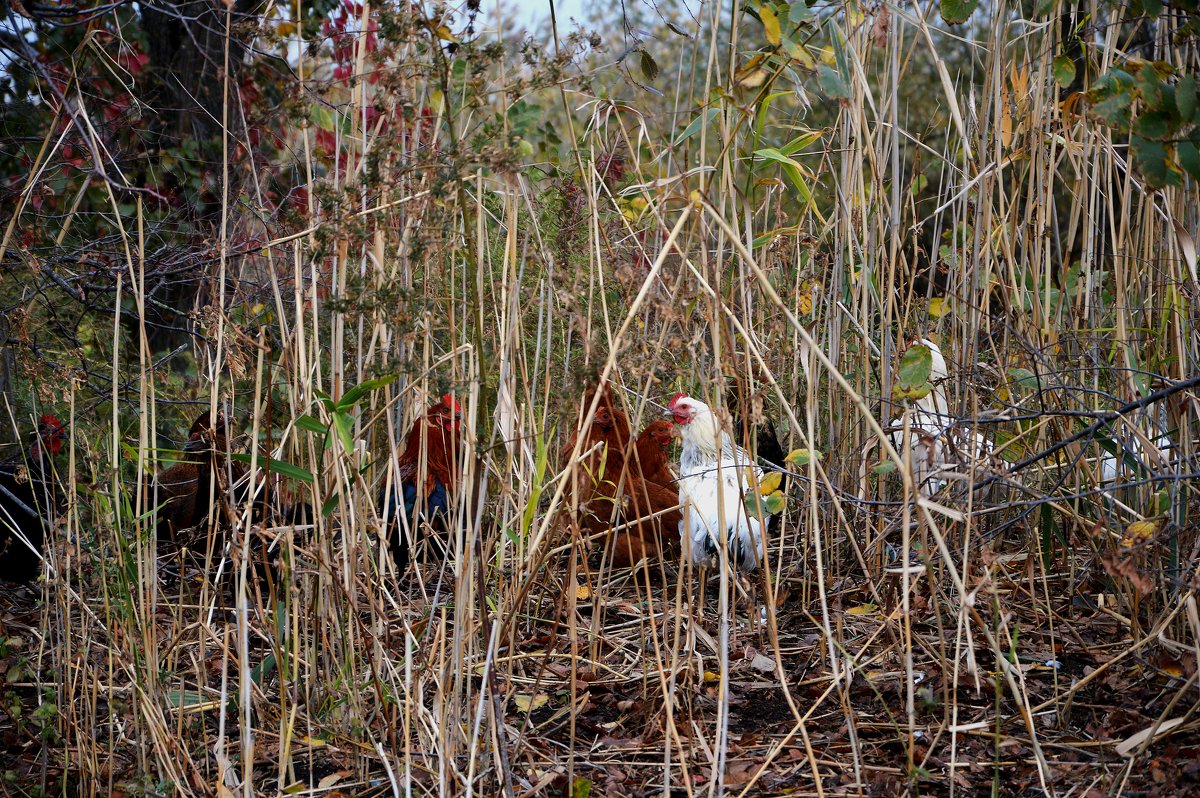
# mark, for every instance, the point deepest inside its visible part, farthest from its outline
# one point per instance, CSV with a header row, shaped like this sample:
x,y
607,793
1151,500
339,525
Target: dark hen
x,y
29,497
184,492
427,479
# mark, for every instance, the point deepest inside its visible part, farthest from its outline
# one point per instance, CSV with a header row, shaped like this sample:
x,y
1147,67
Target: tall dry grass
x,y
907,644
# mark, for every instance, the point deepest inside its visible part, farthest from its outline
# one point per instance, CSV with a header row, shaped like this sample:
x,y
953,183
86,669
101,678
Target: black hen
x,y
29,497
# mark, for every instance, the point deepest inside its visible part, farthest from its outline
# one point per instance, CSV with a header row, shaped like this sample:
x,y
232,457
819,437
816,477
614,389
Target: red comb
x,y
449,401
50,421
676,398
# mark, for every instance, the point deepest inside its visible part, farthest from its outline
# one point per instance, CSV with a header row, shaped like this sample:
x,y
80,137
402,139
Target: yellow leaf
x,y
710,676
802,456
770,24
938,306
528,703
808,296
583,592
770,483
311,742
799,54
286,28
863,609
1141,531
753,80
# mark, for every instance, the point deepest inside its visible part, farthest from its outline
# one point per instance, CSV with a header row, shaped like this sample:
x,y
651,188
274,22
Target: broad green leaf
x,y
1064,70
886,467
776,503
1154,162
799,13
832,83
1025,378
281,467
792,169
319,115
912,377
343,425
311,424
1185,98
1189,158
325,398
355,394
958,11
1154,125
263,669
581,788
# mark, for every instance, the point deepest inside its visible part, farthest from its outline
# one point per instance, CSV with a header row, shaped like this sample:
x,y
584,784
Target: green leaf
x,y
791,168
700,121
581,788
311,424
281,467
342,425
263,669
1152,8
181,699
886,467
770,24
1154,125
1025,378
649,66
832,83
799,13
1154,162
319,115
329,506
355,394
1111,97
325,398
1189,158
1185,98
912,377
803,457
958,11
1064,70
773,504
539,475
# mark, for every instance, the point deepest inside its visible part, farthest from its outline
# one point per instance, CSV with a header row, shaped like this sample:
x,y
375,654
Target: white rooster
x,y
713,480
936,449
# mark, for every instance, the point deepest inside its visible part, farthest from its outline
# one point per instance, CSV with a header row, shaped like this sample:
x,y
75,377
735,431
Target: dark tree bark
x,y
186,43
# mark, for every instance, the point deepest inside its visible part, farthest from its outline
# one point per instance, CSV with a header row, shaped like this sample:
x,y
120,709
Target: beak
x,y
196,445
668,413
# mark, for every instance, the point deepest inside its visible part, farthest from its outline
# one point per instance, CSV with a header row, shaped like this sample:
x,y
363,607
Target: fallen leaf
x,y
528,703
762,663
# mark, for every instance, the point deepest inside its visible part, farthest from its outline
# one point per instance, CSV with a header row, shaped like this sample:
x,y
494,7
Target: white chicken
x,y
936,451
714,476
